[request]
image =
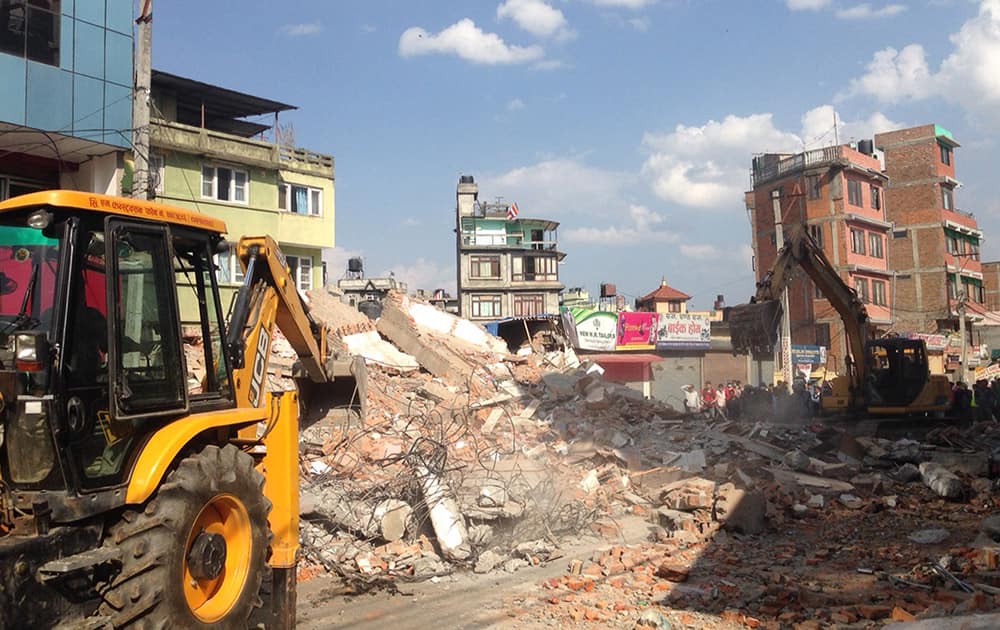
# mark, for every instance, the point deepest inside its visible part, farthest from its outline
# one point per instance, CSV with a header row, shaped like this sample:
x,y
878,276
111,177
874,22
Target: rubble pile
x,y
485,461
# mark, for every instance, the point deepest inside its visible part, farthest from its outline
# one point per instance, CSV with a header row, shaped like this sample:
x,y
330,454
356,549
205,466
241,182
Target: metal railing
x,y
794,163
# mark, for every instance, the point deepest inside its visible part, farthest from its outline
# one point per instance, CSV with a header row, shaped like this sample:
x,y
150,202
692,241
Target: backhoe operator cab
x,y
130,492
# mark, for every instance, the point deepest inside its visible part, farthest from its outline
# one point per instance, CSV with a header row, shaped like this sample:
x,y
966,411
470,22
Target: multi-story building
x,y
206,154
66,101
836,193
508,266
934,248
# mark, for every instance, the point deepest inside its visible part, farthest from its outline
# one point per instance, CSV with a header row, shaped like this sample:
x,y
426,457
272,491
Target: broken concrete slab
x,y
434,357
974,464
561,385
810,481
941,480
929,536
741,511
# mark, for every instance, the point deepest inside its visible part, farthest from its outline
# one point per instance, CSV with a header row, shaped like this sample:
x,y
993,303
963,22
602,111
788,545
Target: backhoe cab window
x,y
150,377
28,265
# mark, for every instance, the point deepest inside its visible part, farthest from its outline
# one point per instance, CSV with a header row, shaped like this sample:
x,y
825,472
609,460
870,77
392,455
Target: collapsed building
x,y
464,457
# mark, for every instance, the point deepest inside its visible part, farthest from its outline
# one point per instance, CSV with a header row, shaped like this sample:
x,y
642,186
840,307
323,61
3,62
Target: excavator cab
x,y
143,480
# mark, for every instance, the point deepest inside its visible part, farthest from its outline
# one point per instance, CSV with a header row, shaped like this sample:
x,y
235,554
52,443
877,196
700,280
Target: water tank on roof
x,y
355,265
466,179
866,146
608,290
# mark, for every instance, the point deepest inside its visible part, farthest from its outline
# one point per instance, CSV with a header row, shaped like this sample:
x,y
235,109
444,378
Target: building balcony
x,y
236,149
765,170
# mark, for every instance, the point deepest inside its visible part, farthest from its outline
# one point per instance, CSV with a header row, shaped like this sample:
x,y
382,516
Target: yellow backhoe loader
x,y
133,494
887,376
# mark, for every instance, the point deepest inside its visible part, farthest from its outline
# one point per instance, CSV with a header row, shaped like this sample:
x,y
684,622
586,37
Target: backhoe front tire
x,y
194,557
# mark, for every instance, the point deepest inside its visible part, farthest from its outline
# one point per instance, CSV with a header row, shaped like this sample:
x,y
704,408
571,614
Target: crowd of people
x,y
734,400
980,403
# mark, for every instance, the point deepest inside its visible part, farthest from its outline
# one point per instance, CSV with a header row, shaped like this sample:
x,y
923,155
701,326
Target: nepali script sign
x,y
683,331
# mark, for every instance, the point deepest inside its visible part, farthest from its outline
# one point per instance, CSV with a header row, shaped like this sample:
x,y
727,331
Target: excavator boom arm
x,y
754,326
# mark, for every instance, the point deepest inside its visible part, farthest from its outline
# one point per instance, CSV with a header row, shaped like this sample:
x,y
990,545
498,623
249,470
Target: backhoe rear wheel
x,y
195,556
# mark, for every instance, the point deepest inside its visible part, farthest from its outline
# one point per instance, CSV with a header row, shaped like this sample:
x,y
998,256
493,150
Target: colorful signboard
x,y
987,372
593,330
636,331
933,342
683,331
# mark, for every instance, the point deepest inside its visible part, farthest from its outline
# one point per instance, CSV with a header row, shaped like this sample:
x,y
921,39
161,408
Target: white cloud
x,y
515,105
424,274
537,17
817,127
640,228
866,11
699,252
706,166
895,76
559,187
623,4
807,5
465,40
969,76
301,30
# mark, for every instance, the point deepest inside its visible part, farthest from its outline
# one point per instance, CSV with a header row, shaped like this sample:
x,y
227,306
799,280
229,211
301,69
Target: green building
x,y
207,153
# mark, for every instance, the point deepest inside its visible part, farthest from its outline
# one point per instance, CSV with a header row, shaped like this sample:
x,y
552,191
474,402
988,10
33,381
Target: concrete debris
x,y
796,460
483,461
941,480
929,536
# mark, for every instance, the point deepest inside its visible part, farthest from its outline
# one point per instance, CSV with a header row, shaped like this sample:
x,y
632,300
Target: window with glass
x,y
199,308
156,169
30,29
952,243
857,241
300,268
300,199
224,184
534,268
673,307
952,287
485,305
876,198
875,244
484,267
814,186
854,192
945,154
529,304
228,267
947,198
861,288
878,292
816,232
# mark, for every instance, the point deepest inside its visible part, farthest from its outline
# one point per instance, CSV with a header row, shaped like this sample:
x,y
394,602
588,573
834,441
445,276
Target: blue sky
x,y
632,122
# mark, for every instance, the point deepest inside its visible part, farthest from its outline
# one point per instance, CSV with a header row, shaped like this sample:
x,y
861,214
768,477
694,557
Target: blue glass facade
x,y
86,91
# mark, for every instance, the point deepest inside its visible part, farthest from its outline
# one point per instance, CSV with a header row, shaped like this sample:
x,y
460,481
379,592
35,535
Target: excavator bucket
x,y
754,327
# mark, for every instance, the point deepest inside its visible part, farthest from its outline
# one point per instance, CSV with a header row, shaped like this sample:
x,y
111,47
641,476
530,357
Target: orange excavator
x,y
142,485
887,376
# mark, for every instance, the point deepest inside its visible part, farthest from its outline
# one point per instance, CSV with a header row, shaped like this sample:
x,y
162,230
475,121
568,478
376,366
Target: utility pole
x,y
786,323
140,101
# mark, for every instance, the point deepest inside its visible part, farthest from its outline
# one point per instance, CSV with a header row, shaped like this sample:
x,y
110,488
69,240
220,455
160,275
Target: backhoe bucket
x,y
753,327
